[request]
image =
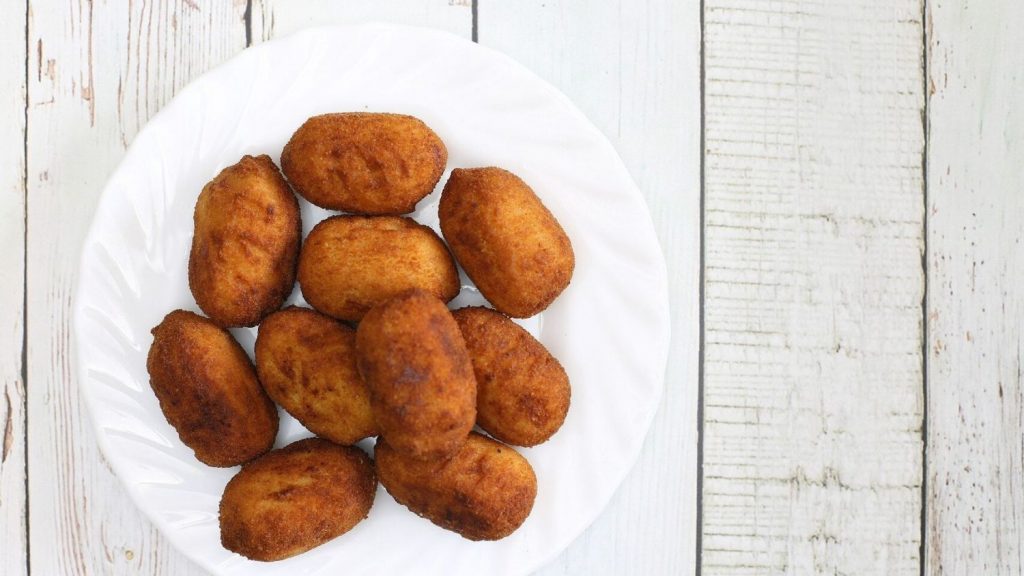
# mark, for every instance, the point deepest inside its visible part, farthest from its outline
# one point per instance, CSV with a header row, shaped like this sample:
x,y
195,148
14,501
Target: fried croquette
x,y
414,361
364,163
294,499
522,391
508,242
246,243
484,492
350,264
307,363
207,389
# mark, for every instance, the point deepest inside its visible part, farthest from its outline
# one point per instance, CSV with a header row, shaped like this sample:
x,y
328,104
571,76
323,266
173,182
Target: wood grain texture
x,y
13,541
975,475
97,72
634,70
275,18
813,392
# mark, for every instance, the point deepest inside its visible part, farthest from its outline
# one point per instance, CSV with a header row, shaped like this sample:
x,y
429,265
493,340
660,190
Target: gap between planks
x,y
699,529
923,548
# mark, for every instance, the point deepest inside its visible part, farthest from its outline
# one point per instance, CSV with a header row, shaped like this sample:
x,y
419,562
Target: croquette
x,y
246,243
307,363
363,162
350,264
509,243
522,391
422,389
294,499
483,492
208,390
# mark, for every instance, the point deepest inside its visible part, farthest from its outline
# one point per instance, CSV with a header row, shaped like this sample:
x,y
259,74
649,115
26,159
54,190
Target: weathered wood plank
x,y
975,476
634,69
274,18
97,72
813,391
14,559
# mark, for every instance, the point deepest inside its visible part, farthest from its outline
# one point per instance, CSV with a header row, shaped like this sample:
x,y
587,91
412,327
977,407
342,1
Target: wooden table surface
x,y
838,187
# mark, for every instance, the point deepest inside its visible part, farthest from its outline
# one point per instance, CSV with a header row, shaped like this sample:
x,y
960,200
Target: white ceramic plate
x,y
609,328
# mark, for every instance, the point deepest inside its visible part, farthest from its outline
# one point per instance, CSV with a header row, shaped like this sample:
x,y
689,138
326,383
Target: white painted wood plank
x,y
813,391
634,69
13,560
97,72
274,18
975,476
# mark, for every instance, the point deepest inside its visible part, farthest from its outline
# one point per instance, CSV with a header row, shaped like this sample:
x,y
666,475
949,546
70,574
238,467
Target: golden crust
x,y
522,391
307,363
415,363
294,499
364,163
506,239
484,492
246,243
350,264
208,390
